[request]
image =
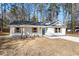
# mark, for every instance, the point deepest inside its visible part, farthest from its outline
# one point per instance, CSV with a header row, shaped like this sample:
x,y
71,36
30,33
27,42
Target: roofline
x,y
34,26
29,26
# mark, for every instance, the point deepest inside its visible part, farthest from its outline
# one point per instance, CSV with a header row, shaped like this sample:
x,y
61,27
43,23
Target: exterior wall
x,y
63,31
25,31
11,31
28,31
51,32
40,31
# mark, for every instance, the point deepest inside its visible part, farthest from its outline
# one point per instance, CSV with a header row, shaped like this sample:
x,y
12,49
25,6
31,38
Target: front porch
x,y
27,31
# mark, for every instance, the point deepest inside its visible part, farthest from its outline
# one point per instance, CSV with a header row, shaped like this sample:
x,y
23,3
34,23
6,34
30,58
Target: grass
x,y
38,47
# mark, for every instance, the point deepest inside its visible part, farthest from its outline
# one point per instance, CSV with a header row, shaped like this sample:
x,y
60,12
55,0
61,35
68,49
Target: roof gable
x,y
56,23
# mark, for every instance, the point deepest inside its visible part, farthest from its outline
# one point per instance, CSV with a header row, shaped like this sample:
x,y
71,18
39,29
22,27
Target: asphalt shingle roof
x,y
23,22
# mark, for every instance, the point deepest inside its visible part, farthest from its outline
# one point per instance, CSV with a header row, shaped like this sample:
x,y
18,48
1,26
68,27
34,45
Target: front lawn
x,y
38,46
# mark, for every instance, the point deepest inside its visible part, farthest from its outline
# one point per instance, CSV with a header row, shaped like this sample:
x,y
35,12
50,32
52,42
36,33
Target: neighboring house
x,y
22,27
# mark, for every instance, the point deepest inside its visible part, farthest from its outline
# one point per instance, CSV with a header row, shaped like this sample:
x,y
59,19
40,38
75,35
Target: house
x,y
57,28
22,27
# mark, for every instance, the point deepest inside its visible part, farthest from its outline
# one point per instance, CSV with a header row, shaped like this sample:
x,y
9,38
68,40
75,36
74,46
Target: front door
x,y
43,31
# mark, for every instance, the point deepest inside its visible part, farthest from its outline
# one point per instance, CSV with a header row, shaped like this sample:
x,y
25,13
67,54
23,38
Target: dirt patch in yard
x,y
38,47
4,33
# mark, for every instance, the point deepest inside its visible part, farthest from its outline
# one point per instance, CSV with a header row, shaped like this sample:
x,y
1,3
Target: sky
x,y
61,15
30,8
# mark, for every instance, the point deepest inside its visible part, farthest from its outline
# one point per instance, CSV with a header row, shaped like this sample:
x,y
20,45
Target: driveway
x,y
71,38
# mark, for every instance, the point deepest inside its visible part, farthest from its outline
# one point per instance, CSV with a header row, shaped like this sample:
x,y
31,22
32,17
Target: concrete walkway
x,y
71,38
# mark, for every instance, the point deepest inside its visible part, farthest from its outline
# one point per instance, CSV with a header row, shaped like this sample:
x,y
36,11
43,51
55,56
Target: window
x,y
17,30
34,29
57,30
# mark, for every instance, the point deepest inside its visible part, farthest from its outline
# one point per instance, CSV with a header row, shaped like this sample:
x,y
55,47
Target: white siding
x,y
63,31
26,31
51,32
11,31
23,31
40,31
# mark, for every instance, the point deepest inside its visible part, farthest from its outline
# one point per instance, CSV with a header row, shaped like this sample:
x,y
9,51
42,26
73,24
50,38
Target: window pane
x,y
59,30
17,30
34,29
55,30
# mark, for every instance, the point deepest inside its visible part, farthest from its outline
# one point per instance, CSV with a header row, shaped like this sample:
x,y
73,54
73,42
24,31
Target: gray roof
x,y
24,22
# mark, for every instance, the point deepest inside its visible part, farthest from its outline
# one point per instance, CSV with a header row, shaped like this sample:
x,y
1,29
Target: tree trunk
x,y
23,18
73,19
1,18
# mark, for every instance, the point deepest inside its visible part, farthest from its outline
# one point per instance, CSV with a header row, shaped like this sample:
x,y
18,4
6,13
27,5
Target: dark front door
x,y
43,31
